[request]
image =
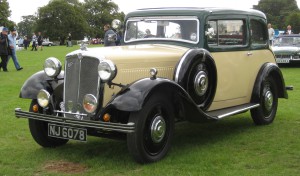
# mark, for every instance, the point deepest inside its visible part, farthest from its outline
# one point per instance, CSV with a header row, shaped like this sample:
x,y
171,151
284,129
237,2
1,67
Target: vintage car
x,y
287,49
48,43
176,64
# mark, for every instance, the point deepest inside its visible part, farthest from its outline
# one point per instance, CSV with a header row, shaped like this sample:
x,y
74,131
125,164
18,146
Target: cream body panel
x,y
237,72
134,63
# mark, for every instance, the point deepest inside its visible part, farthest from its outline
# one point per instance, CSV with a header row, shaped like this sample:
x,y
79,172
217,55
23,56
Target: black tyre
x,y
49,44
200,84
39,132
266,112
154,130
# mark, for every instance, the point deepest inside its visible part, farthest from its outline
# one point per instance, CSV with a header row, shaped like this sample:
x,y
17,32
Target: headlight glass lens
x,y
52,67
107,71
90,103
43,98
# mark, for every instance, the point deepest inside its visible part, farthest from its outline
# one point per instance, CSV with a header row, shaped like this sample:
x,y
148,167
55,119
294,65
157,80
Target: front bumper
x,y
106,126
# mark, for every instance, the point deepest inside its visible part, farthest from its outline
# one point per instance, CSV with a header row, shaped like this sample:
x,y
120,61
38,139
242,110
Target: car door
x,y
228,41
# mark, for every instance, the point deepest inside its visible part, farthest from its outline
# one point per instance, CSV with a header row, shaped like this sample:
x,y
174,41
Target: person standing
x,y
33,39
40,41
4,49
271,34
25,42
288,30
12,44
69,42
108,36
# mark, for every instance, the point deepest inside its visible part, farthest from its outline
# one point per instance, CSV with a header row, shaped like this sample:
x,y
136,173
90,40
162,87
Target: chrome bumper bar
x,y
107,126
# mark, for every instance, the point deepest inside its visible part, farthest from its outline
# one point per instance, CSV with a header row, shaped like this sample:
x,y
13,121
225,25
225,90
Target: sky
x,y
21,8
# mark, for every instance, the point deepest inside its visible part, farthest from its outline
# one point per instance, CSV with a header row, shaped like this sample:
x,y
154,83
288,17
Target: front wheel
x,y
266,112
154,130
39,131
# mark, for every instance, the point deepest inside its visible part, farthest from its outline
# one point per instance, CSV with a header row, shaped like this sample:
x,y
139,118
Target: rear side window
x,y
226,33
258,32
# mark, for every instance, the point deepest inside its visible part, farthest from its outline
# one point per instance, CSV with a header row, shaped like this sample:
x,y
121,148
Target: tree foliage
x,y
99,13
294,20
277,11
4,14
61,17
27,25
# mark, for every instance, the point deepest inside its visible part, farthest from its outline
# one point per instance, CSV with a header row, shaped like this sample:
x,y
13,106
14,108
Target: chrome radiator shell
x,y
81,78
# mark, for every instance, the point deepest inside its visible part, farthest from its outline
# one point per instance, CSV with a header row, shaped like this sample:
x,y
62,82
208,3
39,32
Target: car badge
x,y
70,64
70,106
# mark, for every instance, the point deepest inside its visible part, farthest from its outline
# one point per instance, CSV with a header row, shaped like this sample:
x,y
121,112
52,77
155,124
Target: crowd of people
x,y
8,49
271,32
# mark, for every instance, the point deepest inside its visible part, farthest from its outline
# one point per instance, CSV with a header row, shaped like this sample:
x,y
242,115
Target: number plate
x,y
283,60
67,132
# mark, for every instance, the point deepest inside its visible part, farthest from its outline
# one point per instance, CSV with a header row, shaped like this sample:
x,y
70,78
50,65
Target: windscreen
x,y
287,41
175,28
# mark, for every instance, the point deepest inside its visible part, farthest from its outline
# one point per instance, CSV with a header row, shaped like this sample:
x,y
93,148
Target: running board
x,y
219,114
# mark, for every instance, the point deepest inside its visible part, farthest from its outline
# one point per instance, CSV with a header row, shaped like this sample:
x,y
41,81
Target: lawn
x,y
233,146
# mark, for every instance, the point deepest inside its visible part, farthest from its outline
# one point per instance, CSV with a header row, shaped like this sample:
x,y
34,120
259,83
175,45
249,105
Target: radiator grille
x,y
81,78
282,56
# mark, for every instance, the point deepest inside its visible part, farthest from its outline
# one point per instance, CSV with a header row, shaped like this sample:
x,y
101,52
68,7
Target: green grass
x,y
233,146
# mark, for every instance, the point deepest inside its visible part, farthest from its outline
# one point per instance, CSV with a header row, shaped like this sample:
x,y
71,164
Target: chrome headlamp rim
x,y
43,98
107,70
52,67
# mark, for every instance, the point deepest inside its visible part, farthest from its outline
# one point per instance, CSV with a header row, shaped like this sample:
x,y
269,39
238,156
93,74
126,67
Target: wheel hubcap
x,y
158,129
268,100
201,83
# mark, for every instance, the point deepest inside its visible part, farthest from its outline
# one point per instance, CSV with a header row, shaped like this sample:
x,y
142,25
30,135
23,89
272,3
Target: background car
x,y
48,43
20,42
287,49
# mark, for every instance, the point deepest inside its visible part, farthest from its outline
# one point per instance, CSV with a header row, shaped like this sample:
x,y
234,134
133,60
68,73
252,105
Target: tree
x,y
277,11
27,25
61,17
294,20
4,14
99,13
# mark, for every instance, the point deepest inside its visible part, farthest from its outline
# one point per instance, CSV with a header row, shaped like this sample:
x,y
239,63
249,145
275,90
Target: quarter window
x,y
258,33
226,33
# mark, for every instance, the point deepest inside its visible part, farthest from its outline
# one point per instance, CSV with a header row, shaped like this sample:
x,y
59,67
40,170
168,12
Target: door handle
x,y
249,54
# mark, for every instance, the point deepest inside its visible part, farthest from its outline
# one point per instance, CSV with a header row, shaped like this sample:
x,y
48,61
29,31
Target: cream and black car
x,y
175,64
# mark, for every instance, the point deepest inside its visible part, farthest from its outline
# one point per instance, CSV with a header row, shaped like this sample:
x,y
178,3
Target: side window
x,y
258,33
226,33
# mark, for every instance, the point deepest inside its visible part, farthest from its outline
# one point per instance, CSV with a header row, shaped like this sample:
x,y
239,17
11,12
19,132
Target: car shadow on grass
x,y
188,137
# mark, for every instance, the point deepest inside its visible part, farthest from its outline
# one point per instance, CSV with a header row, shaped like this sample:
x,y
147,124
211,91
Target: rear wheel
x,y
266,112
154,130
39,131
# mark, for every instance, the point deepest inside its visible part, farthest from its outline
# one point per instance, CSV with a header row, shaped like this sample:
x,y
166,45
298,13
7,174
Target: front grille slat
x,y
284,56
81,78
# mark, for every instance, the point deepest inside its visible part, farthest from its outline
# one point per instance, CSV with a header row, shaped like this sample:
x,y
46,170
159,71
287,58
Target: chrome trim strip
x,y
180,65
238,111
71,113
79,83
107,126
